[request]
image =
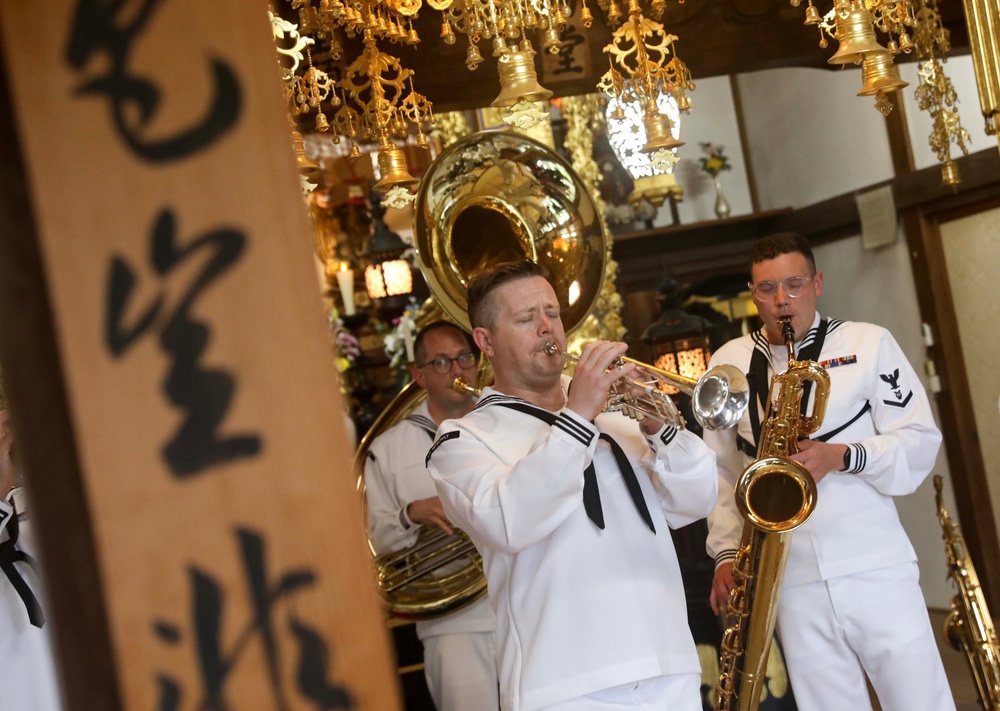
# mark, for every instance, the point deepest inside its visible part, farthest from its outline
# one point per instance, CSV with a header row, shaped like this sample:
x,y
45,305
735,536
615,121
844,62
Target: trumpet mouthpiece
x,y
551,348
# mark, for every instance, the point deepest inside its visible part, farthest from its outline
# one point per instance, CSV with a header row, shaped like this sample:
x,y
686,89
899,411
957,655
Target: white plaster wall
x,y
712,120
877,286
810,137
963,78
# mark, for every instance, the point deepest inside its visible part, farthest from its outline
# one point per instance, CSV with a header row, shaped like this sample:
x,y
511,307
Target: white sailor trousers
x,y
677,692
876,622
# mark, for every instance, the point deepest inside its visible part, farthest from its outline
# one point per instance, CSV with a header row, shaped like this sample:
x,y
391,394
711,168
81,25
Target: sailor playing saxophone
x,y
571,509
850,603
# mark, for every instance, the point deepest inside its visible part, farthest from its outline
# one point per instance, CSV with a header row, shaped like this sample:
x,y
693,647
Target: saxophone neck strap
x,y
760,383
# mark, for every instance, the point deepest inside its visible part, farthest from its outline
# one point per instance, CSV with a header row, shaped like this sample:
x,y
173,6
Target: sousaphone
x,y
488,198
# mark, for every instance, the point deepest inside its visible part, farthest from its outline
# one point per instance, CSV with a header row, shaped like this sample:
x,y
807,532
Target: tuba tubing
x,y
439,574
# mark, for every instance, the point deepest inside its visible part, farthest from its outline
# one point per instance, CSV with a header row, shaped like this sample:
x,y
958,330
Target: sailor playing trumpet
x,y
570,507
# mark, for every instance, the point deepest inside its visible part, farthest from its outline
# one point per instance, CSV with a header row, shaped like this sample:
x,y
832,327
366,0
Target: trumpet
x,y
719,398
461,385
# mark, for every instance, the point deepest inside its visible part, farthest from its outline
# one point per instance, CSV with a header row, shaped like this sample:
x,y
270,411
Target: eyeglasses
x,y
793,286
442,365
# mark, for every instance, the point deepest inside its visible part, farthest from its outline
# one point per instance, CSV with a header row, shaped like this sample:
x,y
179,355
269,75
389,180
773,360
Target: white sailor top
x,y
29,675
878,407
579,608
395,476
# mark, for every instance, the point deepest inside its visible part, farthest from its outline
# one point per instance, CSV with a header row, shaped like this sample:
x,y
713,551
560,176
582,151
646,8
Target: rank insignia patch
x,y
892,379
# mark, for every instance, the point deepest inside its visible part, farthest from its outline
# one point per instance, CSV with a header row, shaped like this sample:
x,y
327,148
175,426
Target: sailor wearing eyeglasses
x,y
459,649
850,604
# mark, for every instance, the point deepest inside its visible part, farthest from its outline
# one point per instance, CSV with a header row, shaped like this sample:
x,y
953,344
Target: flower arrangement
x,y
347,348
714,161
398,342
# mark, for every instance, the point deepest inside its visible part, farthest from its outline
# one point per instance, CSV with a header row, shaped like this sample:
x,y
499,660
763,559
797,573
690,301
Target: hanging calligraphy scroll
x,y
228,559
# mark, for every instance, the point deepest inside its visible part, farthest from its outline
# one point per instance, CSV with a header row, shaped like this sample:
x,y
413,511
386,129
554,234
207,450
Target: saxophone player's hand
x,y
722,583
820,458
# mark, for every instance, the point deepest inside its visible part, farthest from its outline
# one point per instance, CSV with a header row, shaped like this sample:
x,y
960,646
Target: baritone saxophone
x,y
775,495
969,627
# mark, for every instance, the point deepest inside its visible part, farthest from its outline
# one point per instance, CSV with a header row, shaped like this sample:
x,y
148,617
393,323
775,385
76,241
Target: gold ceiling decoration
x,y
375,100
583,117
644,65
936,94
853,24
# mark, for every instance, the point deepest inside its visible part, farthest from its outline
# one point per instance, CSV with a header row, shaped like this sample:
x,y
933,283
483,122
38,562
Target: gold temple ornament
x,y
853,24
936,94
369,103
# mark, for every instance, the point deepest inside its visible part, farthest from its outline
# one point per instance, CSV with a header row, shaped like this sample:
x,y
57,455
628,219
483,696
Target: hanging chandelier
x,y
653,181
374,100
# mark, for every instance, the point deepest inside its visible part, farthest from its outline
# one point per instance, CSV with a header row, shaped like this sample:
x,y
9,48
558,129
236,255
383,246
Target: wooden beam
x,y
46,442
699,249
161,316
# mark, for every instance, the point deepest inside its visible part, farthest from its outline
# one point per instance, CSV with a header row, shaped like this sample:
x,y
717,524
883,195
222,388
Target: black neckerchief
x,y
760,384
9,555
591,493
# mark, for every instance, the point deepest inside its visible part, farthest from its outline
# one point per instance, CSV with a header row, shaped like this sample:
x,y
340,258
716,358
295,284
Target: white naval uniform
x,y
28,678
579,609
460,648
850,590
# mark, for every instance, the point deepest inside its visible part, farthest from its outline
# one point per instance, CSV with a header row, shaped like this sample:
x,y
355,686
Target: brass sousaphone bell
x,y
488,198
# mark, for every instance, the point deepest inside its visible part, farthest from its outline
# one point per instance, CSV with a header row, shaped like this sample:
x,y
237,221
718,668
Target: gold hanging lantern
x,y
518,79
856,34
879,73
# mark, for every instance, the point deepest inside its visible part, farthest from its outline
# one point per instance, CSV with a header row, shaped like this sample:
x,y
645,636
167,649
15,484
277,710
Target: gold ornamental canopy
x,y
372,97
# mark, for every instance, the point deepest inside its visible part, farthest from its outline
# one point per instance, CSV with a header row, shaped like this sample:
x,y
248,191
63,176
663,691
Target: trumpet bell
x,y
720,397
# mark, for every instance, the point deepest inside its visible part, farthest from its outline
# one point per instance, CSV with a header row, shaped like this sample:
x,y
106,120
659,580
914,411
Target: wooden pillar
x,y
169,367
954,401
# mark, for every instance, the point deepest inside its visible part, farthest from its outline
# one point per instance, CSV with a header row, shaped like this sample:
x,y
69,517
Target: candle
x,y
345,280
406,326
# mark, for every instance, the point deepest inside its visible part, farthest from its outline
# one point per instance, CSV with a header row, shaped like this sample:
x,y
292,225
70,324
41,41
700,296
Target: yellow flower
x,y
713,164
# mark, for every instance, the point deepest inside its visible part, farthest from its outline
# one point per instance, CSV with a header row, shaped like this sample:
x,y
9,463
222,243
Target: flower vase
x,y
721,204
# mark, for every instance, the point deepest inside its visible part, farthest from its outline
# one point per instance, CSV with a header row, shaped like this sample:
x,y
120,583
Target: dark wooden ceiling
x,y
715,37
